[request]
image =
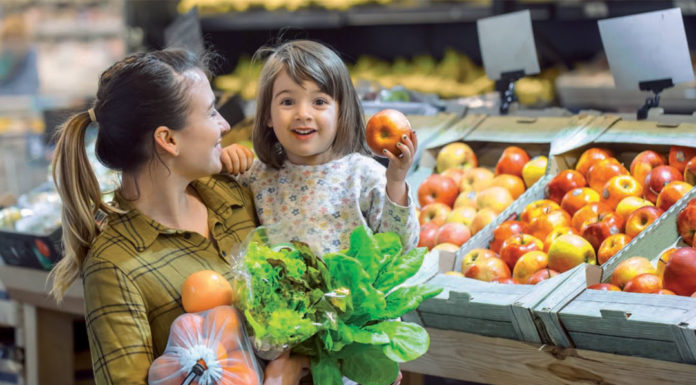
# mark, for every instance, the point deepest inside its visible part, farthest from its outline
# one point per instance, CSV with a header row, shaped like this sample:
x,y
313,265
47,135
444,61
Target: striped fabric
x,y
134,271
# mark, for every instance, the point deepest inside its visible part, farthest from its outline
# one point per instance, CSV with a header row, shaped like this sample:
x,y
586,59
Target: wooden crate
x,y
646,325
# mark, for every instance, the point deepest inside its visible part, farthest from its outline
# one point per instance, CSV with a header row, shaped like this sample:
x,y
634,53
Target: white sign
x,y
507,44
646,47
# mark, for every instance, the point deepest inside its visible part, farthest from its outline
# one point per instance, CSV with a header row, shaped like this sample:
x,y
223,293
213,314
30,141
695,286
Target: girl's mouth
x,y
303,133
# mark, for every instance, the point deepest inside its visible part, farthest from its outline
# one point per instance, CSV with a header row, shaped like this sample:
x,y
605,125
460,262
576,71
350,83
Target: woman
x,y
157,125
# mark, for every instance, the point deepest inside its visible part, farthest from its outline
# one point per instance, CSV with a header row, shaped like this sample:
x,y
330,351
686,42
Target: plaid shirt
x,y
133,274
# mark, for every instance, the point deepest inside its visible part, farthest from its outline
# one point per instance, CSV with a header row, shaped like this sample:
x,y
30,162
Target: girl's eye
x,y
286,102
321,102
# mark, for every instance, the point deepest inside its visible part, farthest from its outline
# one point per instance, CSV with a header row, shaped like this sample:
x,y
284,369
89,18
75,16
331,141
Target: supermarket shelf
x,y
501,361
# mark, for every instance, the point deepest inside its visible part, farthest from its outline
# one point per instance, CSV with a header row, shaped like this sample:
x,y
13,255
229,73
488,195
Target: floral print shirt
x,y
322,204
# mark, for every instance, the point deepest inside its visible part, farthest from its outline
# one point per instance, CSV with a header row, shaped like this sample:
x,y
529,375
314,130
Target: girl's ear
x,y
166,140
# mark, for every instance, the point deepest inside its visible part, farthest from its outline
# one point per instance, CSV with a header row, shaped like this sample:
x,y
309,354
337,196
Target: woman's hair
x,y
135,96
305,60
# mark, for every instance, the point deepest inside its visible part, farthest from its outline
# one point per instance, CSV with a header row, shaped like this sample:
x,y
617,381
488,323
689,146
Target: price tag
x,y
647,47
507,44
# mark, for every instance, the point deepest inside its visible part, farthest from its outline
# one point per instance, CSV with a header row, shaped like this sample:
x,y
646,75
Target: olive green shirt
x,y
134,271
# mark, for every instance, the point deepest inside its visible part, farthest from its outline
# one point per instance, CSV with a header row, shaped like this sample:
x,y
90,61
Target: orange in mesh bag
x,y
206,348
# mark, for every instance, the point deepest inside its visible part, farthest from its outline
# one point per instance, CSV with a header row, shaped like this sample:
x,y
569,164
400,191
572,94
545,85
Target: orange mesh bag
x,y
207,348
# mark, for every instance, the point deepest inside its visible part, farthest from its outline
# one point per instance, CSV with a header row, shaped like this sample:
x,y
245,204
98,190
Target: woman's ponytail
x,y
81,197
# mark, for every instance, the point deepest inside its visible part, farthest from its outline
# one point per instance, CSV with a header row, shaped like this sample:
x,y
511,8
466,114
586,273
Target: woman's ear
x,y
166,140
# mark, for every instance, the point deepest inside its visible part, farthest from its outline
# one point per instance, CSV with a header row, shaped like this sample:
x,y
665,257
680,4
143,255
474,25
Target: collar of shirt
x,y
142,231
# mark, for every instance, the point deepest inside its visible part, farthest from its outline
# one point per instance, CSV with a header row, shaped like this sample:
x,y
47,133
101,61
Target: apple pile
x,y
591,212
461,198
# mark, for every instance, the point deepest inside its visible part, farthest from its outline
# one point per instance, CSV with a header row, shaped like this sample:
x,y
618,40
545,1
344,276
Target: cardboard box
x,y
660,327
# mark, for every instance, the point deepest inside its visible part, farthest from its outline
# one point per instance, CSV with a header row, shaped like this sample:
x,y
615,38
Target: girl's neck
x,y
161,195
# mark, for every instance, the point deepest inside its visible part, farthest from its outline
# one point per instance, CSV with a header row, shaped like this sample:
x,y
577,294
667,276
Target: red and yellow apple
x,y
686,223
516,246
599,228
494,198
582,217
465,198
662,262
488,269
512,161
538,208
456,155
476,179
599,174
534,170
630,268
576,198
640,219
448,247
456,174
657,179
644,162
454,233
570,250
504,231
631,204
469,258
385,129
610,246
590,157
542,225
528,264
434,212
437,188
671,193
604,287
644,283
426,237
618,188
565,181
690,172
555,233
541,275
482,219
512,183
464,215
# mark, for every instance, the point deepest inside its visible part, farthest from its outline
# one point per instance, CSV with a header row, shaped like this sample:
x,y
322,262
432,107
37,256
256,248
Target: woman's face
x,y
199,141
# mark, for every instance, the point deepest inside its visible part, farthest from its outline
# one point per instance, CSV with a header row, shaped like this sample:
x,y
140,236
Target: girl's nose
x,y
303,111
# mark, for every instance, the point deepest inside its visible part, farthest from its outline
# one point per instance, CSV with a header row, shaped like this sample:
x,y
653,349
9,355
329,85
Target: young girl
x,y
314,181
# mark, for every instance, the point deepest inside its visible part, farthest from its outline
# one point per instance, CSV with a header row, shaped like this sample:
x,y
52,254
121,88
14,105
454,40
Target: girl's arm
x,y
236,159
399,164
286,370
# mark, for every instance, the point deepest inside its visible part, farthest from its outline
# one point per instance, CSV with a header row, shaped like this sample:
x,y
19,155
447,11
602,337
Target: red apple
x,y
504,231
590,157
640,219
385,129
469,258
453,232
604,287
662,262
618,188
565,181
512,161
690,172
599,228
456,155
488,269
582,217
541,275
671,193
516,246
610,246
576,198
437,188
426,237
665,292
599,174
629,268
680,271
657,179
644,283
686,223
435,212
679,156
644,162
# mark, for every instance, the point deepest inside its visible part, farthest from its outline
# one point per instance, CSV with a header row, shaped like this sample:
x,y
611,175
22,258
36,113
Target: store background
x,y
75,40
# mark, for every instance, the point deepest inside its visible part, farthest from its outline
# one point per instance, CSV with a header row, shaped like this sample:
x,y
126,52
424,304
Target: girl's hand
x,y
236,159
286,370
398,168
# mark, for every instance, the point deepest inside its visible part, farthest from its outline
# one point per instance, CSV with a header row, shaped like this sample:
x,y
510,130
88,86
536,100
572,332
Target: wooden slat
x,y
488,360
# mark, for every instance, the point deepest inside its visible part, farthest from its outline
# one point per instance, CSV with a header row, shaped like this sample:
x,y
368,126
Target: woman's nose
x,y
224,125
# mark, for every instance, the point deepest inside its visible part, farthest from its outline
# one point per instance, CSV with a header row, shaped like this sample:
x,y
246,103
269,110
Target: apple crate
x,y
647,325
486,308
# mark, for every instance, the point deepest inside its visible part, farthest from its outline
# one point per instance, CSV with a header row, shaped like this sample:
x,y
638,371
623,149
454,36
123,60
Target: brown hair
x,y
305,60
135,96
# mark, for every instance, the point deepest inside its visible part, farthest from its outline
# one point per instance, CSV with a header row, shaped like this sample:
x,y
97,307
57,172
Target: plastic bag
x,y
282,288
207,348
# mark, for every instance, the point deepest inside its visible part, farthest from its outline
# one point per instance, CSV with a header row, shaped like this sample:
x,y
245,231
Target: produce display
x,y
462,198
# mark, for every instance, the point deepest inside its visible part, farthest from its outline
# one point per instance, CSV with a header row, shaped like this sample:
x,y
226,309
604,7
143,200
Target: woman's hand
x,y
236,159
398,168
286,370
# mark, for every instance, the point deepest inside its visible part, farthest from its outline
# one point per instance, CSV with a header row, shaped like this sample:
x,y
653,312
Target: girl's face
x,y
304,119
199,140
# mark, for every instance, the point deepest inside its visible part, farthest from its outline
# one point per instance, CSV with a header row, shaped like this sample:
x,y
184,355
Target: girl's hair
x,y
135,96
305,60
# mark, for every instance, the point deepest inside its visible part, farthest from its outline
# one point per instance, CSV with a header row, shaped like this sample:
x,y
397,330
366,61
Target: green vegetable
x,y
343,309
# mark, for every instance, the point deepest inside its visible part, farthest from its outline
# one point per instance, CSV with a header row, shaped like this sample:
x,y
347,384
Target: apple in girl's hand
x,y
385,129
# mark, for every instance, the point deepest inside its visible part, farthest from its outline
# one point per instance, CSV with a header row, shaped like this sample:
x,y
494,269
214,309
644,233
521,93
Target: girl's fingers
x,y
236,162
226,161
